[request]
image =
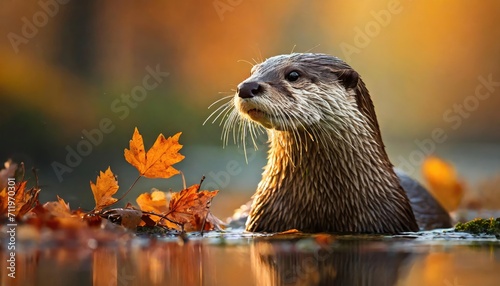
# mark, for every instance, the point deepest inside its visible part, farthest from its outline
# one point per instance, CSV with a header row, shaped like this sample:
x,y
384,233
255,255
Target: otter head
x,y
298,91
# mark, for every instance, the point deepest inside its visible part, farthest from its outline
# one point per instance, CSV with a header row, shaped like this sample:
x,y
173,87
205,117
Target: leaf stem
x,y
123,196
130,188
162,216
201,182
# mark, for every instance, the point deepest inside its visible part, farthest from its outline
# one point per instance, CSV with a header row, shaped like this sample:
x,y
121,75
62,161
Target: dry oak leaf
x,y
188,204
21,203
104,188
158,161
443,181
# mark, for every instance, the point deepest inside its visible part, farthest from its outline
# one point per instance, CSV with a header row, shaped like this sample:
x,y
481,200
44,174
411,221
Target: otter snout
x,y
249,89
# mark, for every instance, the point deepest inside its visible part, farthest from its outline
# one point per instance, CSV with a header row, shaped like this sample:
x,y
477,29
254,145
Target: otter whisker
x,y
231,125
253,134
243,132
247,62
247,126
308,51
220,99
222,110
228,124
227,111
223,106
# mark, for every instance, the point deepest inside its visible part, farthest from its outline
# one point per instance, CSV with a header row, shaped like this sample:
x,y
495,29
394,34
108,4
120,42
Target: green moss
x,y
480,225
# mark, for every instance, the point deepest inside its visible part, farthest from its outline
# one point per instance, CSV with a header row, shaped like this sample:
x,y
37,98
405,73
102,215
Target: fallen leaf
x,y
290,231
153,202
55,215
58,209
25,200
58,215
22,201
104,188
158,161
443,181
189,203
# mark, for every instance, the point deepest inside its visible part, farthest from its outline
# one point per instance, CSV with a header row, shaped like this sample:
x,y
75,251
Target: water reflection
x,y
348,262
242,261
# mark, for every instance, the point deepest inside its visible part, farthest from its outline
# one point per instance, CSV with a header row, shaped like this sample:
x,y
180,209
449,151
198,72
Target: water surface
x,y
235,258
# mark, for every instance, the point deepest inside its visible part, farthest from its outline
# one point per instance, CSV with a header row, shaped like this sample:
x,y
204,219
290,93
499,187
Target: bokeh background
x,y
65,64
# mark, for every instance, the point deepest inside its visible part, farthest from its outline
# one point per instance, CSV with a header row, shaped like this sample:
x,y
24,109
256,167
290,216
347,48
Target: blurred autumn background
x,y
68,68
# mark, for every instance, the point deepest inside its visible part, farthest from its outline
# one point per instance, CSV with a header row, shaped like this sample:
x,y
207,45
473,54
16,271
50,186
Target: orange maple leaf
x,y
104,188
189,205
158,161
444,183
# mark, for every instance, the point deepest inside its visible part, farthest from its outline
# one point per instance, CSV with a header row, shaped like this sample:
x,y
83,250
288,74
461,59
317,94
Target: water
x,y
235,258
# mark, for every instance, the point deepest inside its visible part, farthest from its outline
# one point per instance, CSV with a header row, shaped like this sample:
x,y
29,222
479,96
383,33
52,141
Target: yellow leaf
x,y
444,183
104,188
158,161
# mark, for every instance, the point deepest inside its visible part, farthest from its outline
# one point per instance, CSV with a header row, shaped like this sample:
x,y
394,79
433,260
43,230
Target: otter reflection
x,y
304,262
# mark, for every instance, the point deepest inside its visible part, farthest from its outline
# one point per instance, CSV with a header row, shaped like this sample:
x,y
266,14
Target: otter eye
x,y
292,76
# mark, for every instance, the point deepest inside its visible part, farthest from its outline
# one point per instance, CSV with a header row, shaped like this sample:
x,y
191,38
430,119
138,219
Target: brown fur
x,y
327,168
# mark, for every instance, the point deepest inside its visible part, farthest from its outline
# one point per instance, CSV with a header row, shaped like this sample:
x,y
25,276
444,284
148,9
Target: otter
x,y
327,168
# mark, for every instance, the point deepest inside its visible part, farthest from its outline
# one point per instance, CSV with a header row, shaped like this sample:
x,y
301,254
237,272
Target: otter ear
x,y
349,78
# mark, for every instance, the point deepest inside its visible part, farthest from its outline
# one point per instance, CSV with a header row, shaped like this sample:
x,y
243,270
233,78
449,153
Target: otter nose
x,y
249,89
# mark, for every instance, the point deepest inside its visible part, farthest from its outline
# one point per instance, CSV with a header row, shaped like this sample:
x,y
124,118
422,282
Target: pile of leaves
x,y
186,210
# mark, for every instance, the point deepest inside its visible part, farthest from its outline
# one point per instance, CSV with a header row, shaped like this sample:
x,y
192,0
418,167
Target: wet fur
x,y
327,168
